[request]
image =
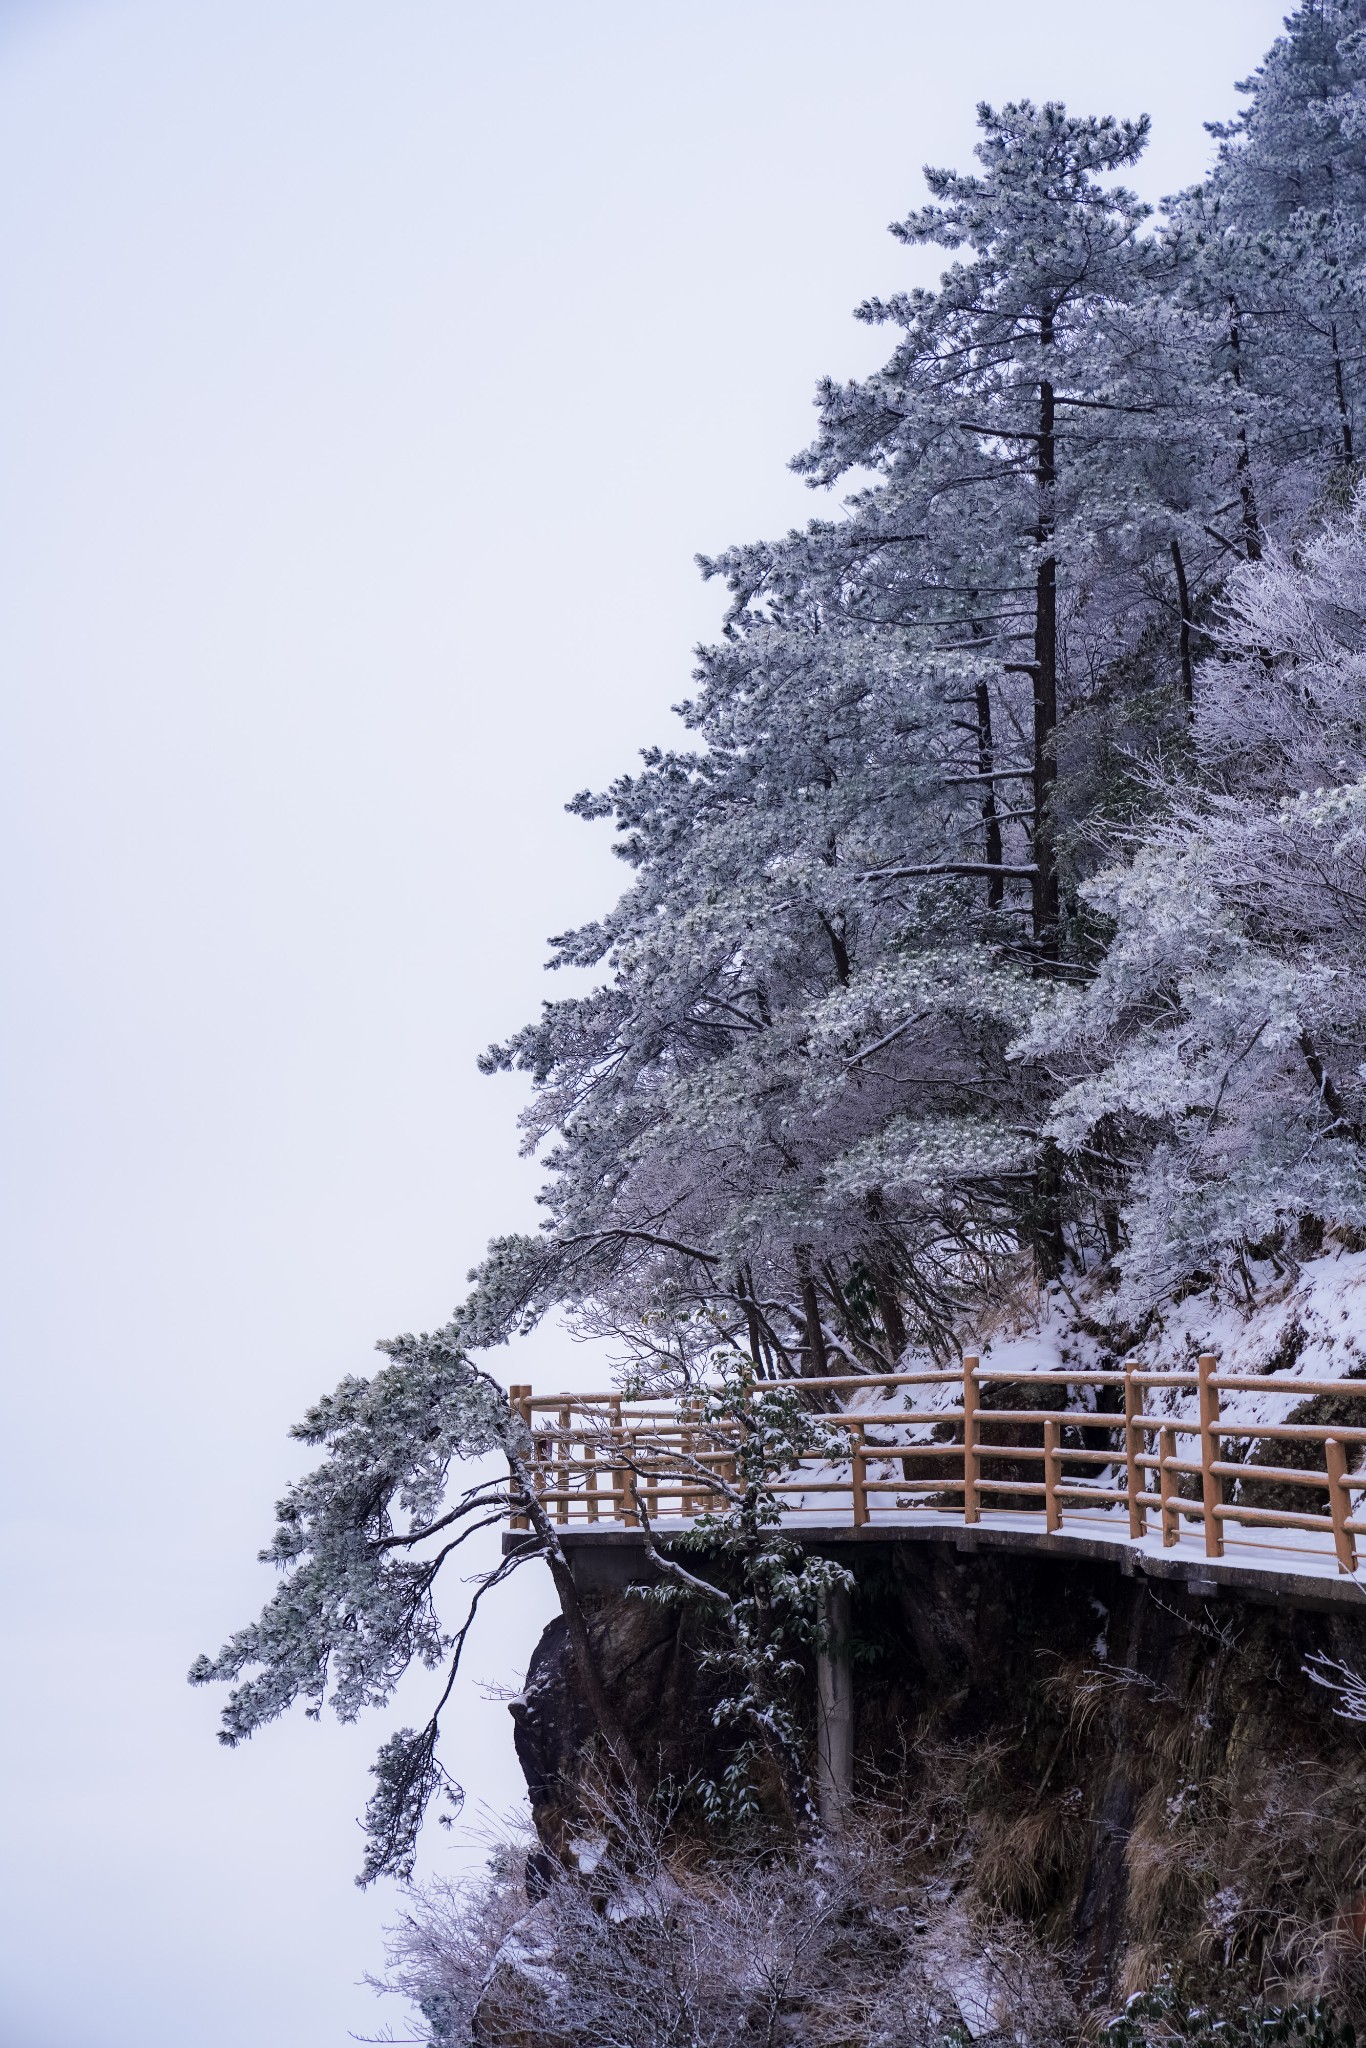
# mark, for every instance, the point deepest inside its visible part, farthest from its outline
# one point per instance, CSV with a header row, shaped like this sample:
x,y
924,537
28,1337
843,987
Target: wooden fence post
x,y
689,1501
651,1475
630,1479
518,1397
1211,1488
1340,1505
566,1417
590,1472
1167,1487
858,1475
541,1475
1133,1444
1052,1446
971,1461
623,1478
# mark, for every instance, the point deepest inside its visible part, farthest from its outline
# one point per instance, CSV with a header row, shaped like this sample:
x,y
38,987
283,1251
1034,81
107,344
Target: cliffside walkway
x,y
1248,1481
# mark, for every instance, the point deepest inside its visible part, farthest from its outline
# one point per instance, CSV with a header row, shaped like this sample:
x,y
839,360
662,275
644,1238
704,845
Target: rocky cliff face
x,y
1144,1776
650,1659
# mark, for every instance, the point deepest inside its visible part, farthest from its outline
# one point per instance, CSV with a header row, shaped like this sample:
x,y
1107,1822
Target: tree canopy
x,y
1005,903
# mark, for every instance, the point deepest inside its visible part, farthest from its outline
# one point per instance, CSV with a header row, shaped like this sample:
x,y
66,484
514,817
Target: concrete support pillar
x,y
834,1709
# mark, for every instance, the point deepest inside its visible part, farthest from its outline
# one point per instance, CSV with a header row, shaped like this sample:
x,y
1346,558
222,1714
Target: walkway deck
x,y
1250,1483
607,1557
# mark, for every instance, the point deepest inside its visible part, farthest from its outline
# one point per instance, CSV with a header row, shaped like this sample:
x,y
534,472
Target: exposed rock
x,y
649,1658
1141,1775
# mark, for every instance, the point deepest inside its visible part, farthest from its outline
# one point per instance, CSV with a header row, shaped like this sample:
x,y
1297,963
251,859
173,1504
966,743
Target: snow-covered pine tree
x,y
871,1020
1214,1061
1271,249
1299,145
1217,1059
362,1541
768,1127
786,1119
998,430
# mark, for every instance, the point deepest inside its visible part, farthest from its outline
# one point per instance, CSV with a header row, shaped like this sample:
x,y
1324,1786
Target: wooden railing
x,y
603,1458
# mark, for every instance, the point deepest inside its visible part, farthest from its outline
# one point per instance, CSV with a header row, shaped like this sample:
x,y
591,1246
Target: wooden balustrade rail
x,y
1097,1454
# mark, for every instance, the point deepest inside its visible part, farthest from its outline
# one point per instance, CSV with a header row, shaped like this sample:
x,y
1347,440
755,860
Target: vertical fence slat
x,y
858,1476
630,1506
1340,1504
541,1475
972,1464
1167,1486
688,1502
1052,1461
517,1399
562,1451
651,1476
623,1489
590,1470
1134,1476
1211,1487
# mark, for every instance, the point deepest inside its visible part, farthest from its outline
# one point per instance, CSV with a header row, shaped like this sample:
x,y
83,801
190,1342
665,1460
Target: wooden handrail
x,y
595,1456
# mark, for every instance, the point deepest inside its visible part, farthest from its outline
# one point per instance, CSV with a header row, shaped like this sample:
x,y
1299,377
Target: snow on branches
x,y
1005,903
1219,1051
362,1540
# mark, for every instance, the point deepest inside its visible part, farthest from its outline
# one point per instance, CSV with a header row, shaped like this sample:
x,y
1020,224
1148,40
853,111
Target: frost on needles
x,y
1004,906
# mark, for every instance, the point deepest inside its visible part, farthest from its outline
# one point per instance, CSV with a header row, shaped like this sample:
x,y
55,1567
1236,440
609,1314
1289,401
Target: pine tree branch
x,y
1023,873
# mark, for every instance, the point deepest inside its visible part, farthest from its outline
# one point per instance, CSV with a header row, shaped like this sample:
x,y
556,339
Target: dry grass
x,y
1245,1876
1240,1857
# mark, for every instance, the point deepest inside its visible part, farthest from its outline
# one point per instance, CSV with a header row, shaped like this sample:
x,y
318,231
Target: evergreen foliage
x,y
1160,2018
1006,902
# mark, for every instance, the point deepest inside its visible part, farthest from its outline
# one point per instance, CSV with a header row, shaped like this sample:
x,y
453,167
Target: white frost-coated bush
x,y
646,1948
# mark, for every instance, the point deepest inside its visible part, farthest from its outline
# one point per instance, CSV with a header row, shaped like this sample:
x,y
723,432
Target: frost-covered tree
x,y
1298,148
362,1542
1005,900
779,1119
1272,248
1002,430
1217,1057
785,1116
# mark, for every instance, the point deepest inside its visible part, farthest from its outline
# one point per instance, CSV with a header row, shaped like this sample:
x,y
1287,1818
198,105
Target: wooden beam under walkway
x,y
607,1559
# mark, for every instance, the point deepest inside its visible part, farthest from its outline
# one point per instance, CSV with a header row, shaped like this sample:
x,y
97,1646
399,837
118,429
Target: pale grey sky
x,y
369,375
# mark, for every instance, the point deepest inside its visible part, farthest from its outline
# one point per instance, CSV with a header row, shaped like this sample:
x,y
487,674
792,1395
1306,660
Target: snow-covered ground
x,y
1303,1323
1307,1323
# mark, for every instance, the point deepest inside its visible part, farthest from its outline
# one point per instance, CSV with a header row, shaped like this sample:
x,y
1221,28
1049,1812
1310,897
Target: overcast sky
x,y
369,376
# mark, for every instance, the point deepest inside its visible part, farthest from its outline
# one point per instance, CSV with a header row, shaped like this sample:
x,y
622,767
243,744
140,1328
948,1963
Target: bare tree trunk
x,y
991,824
1328,1092
1109,1216
757,1350
1045,1224
1252,532
1045,673
1050,1241
839,948
889,1310
813,1346
1184,600
1344,416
